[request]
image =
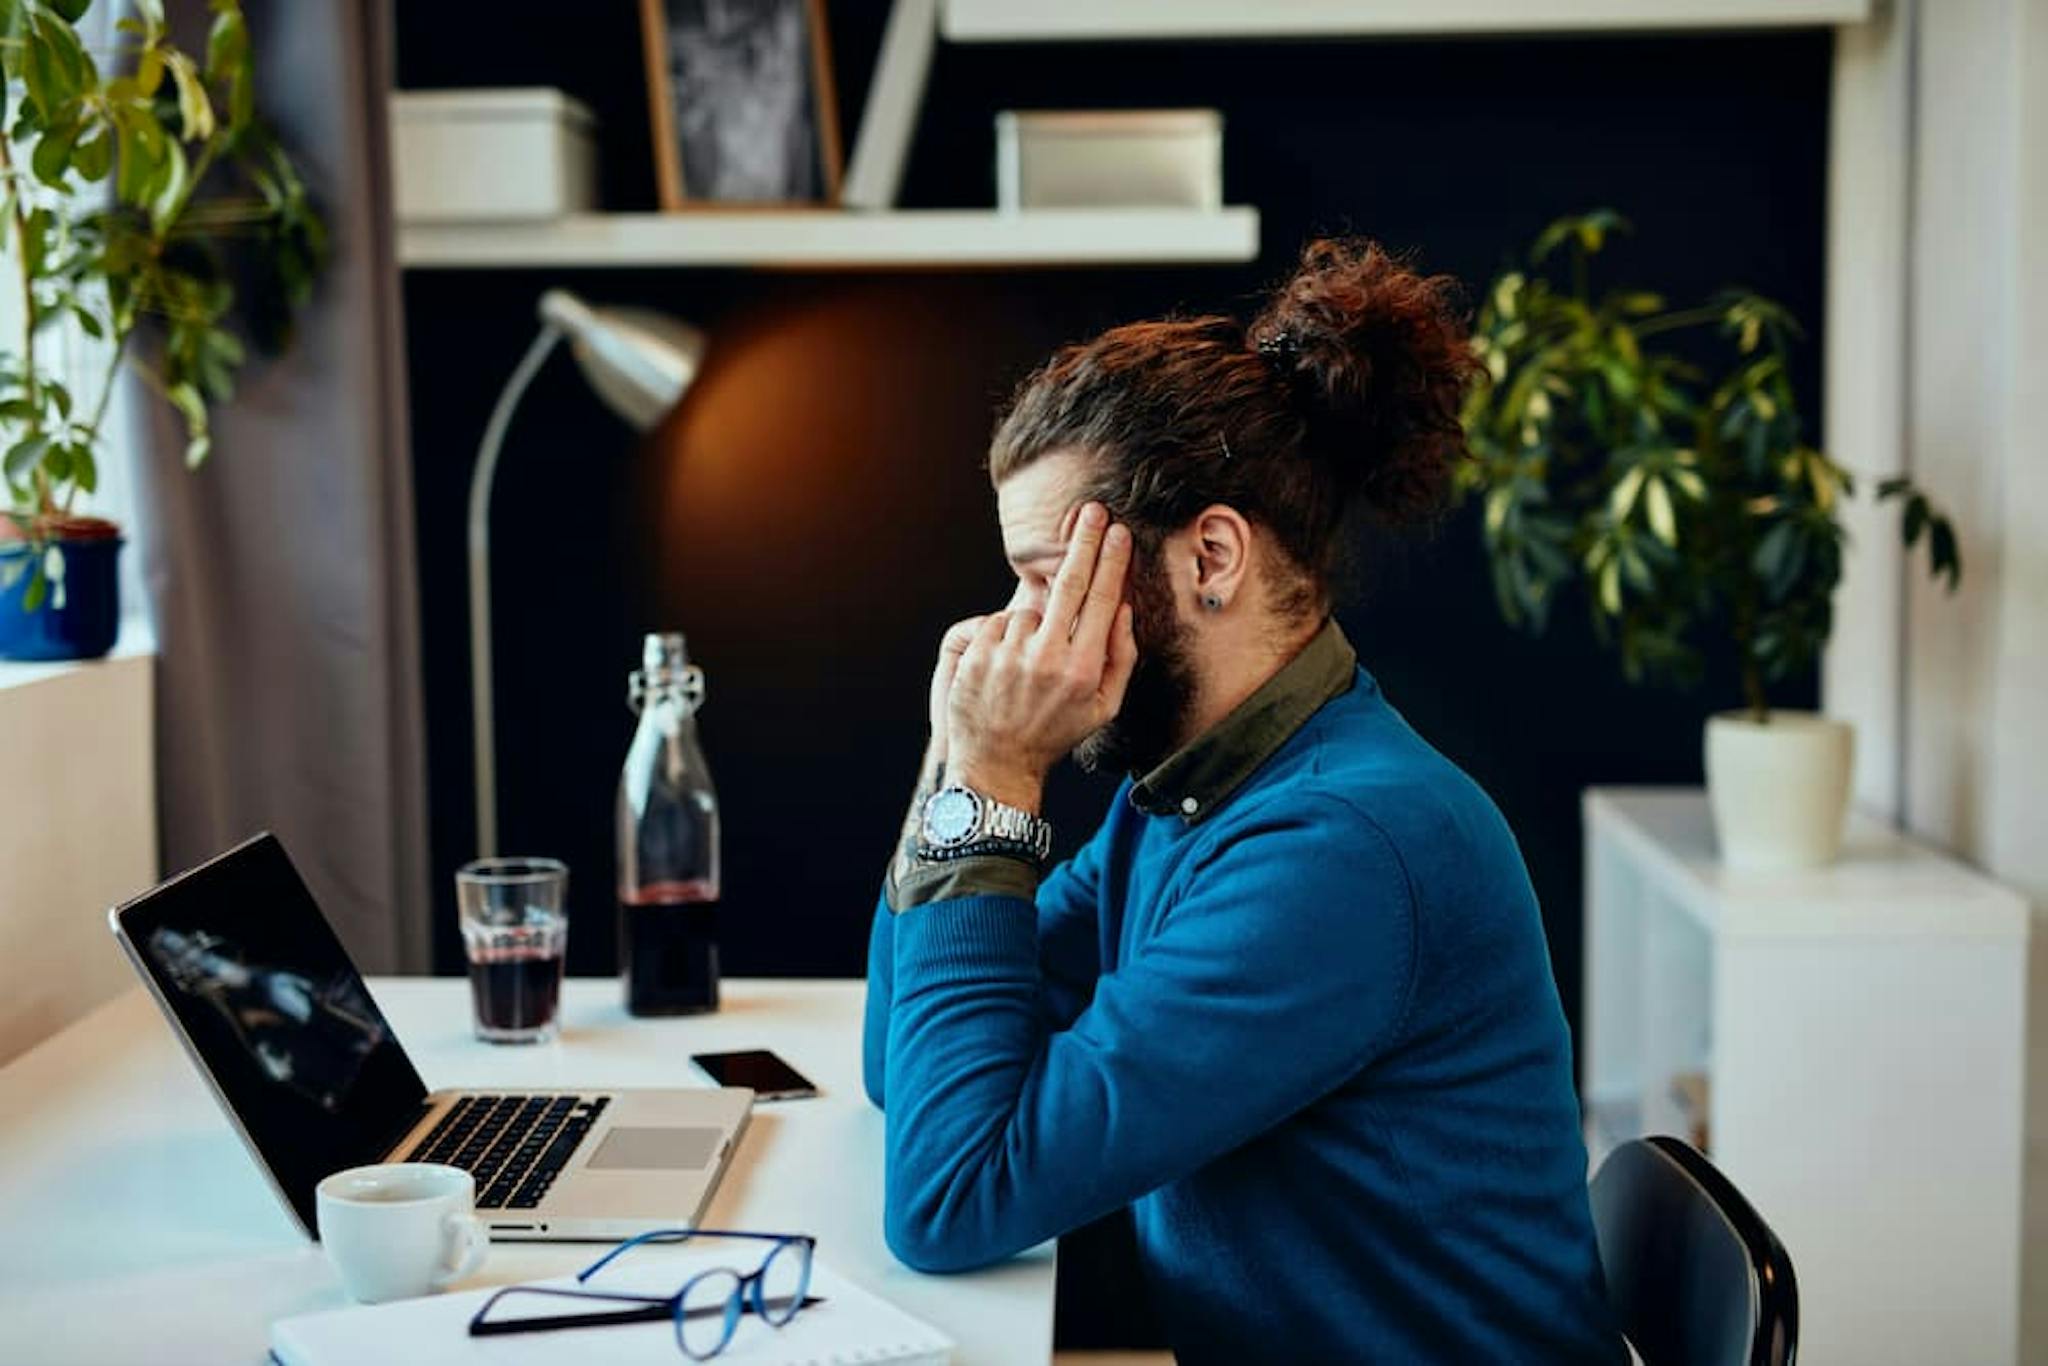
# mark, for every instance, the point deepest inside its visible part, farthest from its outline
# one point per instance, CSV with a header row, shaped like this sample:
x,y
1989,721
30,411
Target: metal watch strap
x,y
1010,825
1002,848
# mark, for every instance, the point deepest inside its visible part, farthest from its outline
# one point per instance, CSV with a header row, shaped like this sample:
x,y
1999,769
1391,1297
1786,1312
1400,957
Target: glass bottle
x,y
668,842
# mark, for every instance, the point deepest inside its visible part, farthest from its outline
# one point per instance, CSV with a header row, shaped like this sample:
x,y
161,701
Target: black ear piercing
x,y
1213,603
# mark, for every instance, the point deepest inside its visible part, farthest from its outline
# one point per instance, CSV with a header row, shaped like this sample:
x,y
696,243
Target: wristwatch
x,y
958,821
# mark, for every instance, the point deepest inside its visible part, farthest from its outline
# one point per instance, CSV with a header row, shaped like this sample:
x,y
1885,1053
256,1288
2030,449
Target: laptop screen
x,y
278,1014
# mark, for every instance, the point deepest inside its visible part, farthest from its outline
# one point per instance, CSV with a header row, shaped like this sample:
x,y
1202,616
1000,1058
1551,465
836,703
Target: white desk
x,y
136,1229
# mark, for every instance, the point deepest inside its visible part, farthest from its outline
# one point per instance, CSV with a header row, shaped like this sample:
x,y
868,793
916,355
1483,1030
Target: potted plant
x,y
146,211
1689,500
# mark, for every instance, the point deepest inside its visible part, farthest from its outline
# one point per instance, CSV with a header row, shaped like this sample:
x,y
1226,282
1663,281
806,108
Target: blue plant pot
x,y
79,616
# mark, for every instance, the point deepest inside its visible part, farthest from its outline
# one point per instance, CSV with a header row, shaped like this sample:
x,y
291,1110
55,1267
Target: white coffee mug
x,y
400,1229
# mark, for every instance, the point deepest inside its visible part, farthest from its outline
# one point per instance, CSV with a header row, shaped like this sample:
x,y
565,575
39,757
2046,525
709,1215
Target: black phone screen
x,y
769,1077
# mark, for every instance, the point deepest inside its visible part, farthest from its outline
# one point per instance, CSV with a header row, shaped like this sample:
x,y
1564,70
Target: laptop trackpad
x,y
656,1149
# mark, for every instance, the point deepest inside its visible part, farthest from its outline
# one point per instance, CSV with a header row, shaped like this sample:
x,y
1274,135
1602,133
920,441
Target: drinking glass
x,y
515,928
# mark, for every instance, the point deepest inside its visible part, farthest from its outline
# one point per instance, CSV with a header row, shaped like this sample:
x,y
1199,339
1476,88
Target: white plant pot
x,y
1780,789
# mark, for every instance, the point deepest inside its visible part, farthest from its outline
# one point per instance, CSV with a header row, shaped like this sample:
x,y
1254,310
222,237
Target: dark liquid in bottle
x,y
668,935
516,988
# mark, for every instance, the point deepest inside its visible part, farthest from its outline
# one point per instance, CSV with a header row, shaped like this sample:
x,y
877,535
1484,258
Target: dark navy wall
x,y
815,514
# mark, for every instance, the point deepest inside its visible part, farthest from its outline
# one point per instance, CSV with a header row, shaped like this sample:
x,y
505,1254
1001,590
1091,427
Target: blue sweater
x,y
1312,1041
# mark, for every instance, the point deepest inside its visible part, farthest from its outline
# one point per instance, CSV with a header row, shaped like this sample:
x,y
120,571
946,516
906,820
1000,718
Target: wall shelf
x,y
1077,20
823,238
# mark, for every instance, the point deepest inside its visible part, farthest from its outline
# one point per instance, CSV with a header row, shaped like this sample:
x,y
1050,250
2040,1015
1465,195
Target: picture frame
x,y
742,101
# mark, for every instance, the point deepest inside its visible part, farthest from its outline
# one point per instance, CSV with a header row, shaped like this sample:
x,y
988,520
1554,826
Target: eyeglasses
x,y
706,1310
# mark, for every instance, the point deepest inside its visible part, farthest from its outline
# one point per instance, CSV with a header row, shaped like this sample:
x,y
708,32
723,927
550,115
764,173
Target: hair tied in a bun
x,y
1380,371
1281,349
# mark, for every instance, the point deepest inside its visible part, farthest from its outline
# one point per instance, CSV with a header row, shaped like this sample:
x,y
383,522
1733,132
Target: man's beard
x,y
1147,726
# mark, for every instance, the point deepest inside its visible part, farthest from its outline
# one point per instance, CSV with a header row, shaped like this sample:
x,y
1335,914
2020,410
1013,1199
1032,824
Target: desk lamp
x,y
639,363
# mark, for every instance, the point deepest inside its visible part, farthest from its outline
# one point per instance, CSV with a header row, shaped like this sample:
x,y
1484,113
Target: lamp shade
x,y
640,363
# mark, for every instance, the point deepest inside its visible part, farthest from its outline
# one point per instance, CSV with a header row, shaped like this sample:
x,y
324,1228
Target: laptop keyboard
x,y
514,1146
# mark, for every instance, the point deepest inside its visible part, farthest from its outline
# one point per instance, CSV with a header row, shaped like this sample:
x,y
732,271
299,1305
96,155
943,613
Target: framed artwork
x,y
742,101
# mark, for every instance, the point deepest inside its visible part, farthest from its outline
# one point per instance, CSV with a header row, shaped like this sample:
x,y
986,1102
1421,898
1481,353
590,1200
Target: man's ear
x,y
1223,553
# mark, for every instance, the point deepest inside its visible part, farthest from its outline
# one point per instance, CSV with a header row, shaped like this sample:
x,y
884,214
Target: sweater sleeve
x,y
1069,932
1068,946
1284,967
874,1033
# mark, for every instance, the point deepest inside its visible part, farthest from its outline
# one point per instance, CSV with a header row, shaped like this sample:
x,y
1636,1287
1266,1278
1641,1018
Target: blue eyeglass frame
x,y
747,1295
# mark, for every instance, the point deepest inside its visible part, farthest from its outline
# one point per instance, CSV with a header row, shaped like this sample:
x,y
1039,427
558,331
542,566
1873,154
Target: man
x,y
1291,1002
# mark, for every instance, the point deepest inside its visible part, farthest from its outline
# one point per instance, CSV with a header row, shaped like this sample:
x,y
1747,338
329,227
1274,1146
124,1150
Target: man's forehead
x,y
1037,503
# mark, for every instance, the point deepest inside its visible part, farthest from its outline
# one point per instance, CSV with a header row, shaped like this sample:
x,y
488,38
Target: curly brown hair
x,y
1341,398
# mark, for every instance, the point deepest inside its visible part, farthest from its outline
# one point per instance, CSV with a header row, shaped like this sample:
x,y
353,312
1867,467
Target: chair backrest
x,y
1695,1275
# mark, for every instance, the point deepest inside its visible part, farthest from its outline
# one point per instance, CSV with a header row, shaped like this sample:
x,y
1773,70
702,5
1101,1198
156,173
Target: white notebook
x,y
850,1326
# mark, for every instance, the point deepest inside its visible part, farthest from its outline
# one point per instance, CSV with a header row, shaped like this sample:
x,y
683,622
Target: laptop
x,y
254,982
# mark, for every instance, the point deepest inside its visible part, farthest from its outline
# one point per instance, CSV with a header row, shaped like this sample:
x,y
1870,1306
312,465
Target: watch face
x,y
950,817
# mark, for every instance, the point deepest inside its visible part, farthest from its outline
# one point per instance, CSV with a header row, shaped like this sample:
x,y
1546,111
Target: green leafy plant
x,y
142,197
1690,501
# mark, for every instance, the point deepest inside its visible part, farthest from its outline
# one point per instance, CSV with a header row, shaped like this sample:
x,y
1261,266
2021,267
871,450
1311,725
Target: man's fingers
x,y
1105,593
1070,584
1020,626
958,636
982,641
951,646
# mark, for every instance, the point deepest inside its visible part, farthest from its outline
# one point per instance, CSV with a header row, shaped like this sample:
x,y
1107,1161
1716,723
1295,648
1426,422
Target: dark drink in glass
x,y
669,949
515,930
517,990
668,843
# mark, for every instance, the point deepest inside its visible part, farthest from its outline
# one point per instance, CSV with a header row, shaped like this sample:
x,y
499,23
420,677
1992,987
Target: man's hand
x,y
957,638
1028,688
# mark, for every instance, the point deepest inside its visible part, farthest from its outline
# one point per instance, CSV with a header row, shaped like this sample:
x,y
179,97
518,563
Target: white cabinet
x,y
77,831
1851,1038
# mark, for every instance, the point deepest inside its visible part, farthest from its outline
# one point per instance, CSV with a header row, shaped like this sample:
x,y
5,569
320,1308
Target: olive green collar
x,y
1198,776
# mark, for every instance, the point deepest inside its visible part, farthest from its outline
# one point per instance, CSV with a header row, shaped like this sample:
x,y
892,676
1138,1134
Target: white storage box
x,y
1136,158
490,155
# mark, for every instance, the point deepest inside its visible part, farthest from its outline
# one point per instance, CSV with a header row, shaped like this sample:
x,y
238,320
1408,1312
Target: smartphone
x,y
769,1077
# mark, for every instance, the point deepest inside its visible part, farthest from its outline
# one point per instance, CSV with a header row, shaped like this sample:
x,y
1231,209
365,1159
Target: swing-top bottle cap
x,y
666,672
664,653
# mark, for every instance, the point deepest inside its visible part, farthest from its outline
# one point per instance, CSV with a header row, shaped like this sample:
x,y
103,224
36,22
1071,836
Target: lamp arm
x,y
484,728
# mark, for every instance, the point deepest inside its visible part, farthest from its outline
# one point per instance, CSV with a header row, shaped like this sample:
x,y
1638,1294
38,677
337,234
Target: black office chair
x,y
1695,1275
